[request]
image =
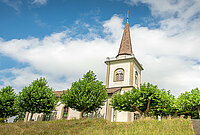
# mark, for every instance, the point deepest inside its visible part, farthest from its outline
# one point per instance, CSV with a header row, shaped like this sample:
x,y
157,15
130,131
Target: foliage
x,y
20,117
99,127
7,102
147,100
85,95
3,120
189,103
37,98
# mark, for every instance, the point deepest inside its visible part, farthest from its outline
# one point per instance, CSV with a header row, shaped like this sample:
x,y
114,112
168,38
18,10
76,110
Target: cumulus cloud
x,y
60,56
170,62
170,59
177,16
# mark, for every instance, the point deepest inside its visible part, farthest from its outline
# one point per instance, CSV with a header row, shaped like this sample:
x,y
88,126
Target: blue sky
x,y
38,20
62,40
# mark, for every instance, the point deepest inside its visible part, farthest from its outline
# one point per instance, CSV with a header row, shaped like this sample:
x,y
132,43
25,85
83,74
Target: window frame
x,y
136,77
117,76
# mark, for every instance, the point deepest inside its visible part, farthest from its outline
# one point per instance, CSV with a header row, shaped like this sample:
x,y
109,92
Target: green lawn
x,y
99,127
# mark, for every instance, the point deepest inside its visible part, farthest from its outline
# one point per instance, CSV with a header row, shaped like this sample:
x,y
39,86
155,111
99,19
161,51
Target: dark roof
x,y
109,91
126,46
58,93
113,90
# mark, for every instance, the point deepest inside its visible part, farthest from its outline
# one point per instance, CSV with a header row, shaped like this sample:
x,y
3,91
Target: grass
x,y
146,126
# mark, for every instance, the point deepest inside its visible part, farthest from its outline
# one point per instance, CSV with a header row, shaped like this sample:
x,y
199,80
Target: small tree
x,y
37,98
189,103
147,100
7,102
85,95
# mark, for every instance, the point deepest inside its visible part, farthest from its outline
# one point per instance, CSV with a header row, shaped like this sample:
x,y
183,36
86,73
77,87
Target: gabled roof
x,y
126,46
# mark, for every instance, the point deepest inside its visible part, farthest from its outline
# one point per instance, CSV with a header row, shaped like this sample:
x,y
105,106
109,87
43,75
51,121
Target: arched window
x,y
119,75
136,77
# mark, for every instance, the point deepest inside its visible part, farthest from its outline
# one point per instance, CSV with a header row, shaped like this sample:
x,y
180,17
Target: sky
x,y
62,40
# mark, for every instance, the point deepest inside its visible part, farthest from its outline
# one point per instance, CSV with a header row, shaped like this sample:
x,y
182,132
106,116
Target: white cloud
x,y
40,2
13,3
177,16
172,62
59,56
16,4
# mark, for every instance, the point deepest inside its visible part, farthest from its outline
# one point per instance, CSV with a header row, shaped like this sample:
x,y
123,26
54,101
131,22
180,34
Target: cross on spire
x,y
127,15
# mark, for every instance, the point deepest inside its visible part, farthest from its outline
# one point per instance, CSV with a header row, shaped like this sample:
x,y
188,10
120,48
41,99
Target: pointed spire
x,y
126,46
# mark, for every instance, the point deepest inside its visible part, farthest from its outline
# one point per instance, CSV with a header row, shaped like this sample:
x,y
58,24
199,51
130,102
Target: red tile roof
x,y
109,91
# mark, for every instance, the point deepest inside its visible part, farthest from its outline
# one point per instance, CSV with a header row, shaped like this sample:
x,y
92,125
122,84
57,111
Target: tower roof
x,y
126,46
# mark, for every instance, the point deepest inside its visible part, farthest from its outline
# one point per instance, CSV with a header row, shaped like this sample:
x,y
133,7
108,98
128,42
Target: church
x,y
123,73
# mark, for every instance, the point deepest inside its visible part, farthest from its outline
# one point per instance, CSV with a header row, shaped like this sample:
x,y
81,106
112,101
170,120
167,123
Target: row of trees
x,y
149,100
88,95
85,95
38,97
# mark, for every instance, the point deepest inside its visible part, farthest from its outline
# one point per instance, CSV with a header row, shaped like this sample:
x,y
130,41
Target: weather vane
x,y
127,15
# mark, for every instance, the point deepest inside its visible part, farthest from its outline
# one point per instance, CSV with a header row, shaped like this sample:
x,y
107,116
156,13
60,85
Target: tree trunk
x,y
148,107
81,115
26,117
31,116
44,117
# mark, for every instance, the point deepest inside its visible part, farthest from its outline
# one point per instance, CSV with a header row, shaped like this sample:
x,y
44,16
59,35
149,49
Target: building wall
x,y
59,110
73,114
113,67
136,68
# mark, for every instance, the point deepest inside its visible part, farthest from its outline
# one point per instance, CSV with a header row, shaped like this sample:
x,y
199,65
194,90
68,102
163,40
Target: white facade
x,y
113,67
72,114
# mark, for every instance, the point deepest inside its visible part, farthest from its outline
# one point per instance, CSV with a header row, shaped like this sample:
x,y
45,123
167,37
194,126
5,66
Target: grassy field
x,y
99,127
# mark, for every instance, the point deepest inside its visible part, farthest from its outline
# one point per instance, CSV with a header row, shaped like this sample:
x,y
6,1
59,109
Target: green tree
x,y
85,95
38,97
189,103
7,102
147,100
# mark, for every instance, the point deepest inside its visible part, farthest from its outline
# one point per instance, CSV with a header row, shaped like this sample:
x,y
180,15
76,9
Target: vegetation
x,y
37,98
7,103
189,103
85,95
148,100
88,94
99,127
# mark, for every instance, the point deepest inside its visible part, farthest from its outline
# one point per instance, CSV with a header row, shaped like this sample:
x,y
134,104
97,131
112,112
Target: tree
x,y
85,95
147,100
189,103
37,98
7,102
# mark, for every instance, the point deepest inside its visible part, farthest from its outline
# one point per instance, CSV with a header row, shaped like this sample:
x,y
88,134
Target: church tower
x,y
123,73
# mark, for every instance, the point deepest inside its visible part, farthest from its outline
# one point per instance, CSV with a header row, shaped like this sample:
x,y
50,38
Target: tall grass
x,y
146,126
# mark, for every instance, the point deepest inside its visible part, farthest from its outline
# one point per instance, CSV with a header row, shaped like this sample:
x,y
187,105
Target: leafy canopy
x,y
189,103
37,98
85,95
147,100
7,102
